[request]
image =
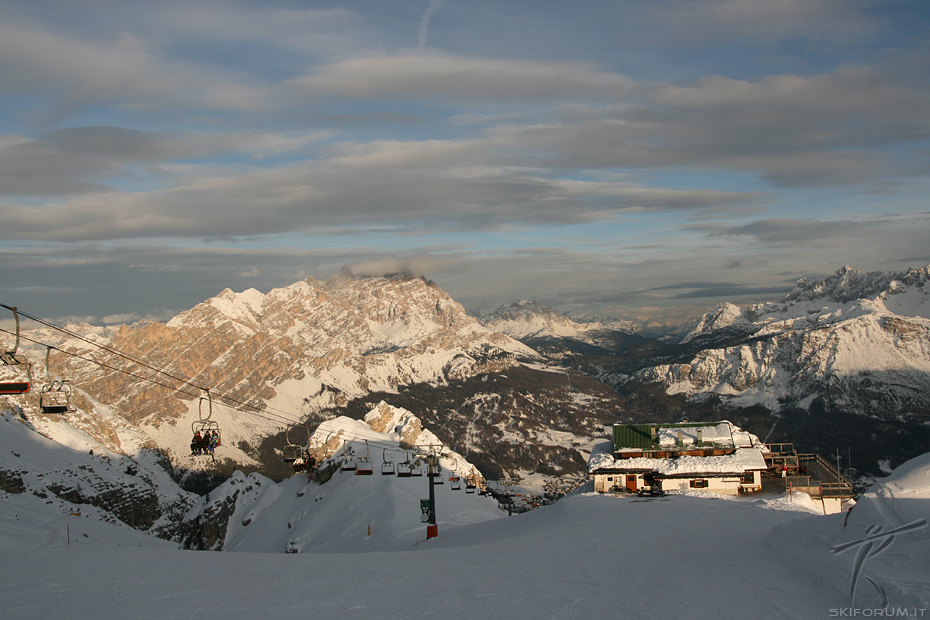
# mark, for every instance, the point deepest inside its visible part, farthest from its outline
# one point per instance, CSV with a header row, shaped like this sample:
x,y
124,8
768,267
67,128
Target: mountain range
x,y
841,363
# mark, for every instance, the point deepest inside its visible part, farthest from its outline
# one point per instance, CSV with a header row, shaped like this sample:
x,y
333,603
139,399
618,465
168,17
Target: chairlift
x,y
206,427
10,358
403,469
55,397
416,469
455,482
292,451
364,466
349,461
470,486
387,467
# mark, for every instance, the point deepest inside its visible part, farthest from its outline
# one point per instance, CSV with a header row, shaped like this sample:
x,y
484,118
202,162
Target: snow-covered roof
x,y
740,461
745,453
722,434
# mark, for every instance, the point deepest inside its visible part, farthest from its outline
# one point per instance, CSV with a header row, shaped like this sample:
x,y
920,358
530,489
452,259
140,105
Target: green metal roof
x,y
634,436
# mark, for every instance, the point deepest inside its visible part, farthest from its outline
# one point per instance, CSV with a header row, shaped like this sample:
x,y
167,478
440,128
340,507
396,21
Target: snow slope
x,y
67,471
252,513
586,556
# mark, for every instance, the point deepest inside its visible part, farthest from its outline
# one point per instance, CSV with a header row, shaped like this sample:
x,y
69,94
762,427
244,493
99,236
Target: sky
x,y
618,158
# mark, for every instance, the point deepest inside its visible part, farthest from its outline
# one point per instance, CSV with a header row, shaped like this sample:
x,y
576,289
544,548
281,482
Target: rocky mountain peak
x,y
844,286
300,349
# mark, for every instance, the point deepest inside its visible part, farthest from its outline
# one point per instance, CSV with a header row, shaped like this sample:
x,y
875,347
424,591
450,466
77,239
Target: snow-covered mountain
x,y
843,362
337,509
540,325
50,465
860,340
275,358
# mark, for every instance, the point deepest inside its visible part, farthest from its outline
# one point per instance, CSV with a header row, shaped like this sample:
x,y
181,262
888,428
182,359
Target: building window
x,y
748,478
698,484
610,478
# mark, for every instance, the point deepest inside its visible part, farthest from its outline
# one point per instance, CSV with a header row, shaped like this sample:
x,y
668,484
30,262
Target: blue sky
x,y
629,159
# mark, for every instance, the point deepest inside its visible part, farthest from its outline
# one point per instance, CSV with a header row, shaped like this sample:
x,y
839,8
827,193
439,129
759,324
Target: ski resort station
x,y
719,457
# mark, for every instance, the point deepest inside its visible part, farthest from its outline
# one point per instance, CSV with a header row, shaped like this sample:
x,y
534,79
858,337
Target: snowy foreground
x,y
586,556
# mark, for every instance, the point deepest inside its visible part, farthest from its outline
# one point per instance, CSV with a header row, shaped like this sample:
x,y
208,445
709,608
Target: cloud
x,y
416,265
828,22
76,73
790,231
434,5
458,78
82,160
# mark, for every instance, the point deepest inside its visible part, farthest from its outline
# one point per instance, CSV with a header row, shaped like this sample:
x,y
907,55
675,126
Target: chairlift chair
x,y
470,486
455,483
55,397
403,469
387,467
292,451
349,462
205,425
364,466
205,428
10,358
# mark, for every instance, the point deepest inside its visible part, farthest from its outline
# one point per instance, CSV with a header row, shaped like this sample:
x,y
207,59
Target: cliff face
x,y
859,340
285,355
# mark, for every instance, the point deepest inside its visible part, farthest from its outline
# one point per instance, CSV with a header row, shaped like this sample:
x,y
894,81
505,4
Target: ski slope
x,y
587,556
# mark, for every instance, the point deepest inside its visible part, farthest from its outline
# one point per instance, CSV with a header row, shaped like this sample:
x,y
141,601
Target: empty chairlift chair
x,y
404,469
387,467
55,397
349,462
15,383
364,466
291,450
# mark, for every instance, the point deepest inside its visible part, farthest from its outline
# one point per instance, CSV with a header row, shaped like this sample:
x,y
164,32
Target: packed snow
x,y
587,556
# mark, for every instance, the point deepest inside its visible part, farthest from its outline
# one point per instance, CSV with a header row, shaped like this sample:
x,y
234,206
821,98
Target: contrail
x,y
424,21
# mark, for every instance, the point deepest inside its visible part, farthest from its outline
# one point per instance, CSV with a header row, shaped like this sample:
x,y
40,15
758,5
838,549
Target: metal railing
x,y
822,462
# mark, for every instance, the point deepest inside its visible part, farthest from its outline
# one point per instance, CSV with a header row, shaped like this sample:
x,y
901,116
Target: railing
x,y
807,458
836,489
817,489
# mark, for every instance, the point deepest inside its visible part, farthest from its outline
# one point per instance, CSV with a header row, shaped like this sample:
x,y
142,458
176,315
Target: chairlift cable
x,y
179,390
237,404
278,416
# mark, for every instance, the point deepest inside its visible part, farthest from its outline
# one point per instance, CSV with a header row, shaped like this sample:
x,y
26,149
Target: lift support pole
x,y
433,469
